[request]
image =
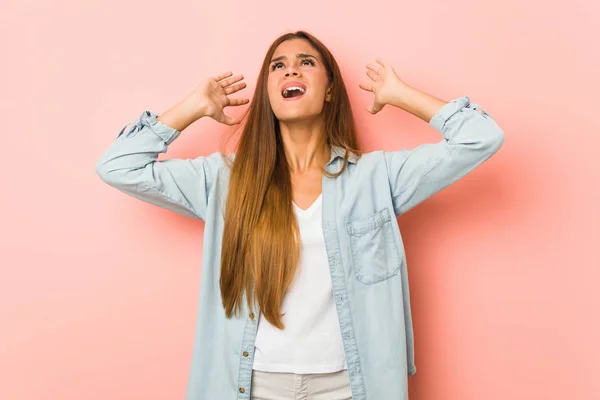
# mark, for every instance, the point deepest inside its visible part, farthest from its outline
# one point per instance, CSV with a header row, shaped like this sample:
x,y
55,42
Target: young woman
x,y
304,290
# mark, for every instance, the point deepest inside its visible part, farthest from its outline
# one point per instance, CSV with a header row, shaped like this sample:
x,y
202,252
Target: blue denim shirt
x,y
363,243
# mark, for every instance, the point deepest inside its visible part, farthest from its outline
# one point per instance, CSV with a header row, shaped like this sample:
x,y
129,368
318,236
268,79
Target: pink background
x,y
99,291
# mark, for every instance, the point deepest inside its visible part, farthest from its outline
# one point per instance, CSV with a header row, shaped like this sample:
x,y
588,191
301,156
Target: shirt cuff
x,y
448,110
148,119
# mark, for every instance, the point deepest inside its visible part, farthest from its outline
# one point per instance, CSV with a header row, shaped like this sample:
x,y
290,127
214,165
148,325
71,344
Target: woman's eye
x,y
276,65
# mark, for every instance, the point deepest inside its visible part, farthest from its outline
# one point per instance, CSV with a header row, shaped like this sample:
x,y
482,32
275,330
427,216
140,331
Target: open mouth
x,y
293,91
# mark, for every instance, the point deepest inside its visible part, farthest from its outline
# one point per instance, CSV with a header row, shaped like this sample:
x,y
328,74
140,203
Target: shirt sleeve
x,y
130,164
470,136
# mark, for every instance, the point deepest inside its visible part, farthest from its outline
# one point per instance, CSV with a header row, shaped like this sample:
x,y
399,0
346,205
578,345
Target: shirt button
x,y
251,315
245,354
242,390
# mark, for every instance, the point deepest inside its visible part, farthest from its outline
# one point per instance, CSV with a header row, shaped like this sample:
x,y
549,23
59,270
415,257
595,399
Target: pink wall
x,y
98,291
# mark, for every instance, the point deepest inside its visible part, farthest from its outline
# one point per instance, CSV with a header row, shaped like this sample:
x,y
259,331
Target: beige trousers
x,y
284,386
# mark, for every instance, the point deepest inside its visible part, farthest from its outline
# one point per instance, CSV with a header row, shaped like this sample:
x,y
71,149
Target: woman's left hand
x,y
385,84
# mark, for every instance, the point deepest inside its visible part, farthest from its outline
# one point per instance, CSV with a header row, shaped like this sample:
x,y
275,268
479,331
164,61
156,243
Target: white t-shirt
x,y
311,341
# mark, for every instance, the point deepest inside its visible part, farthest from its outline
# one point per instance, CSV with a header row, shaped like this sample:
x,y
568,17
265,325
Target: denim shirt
x,y
364,246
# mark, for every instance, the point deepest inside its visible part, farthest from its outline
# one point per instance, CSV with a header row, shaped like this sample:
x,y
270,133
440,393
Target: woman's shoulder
x,y
218,159
370,158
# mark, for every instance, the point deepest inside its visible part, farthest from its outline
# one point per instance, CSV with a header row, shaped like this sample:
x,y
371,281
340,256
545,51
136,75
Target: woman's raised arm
x,y
470,136
131,163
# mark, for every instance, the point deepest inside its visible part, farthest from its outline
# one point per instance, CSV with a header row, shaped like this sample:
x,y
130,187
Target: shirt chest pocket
x,y
375,255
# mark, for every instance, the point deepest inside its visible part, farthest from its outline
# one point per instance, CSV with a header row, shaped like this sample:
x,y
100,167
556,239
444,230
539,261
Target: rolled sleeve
x,y
470,136
131,165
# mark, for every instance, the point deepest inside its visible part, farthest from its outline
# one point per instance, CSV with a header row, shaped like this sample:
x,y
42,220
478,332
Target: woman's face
x,y
296,63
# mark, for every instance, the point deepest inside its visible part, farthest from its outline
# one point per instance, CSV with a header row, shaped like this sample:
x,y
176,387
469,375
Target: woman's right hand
x,y
210,97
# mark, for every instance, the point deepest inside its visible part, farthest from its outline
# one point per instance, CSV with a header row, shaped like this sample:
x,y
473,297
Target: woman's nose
x,y
291,71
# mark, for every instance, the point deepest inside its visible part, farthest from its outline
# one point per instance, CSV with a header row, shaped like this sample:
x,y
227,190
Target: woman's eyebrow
x,y
299,55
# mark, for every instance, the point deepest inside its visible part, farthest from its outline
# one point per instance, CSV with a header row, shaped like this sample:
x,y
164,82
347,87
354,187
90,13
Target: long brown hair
x,y
261,240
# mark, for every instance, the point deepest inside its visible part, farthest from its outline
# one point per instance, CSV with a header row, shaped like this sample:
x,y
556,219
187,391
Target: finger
x,y
374,67
381,62
231,81
366,87
231,121
222,76
226,119
238,102
374,107
235,88
372,75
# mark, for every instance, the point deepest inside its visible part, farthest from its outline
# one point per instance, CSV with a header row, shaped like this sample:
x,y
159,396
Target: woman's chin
x,y
296,115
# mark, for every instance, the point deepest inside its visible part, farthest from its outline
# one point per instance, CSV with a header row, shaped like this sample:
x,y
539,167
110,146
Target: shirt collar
x,y
338,151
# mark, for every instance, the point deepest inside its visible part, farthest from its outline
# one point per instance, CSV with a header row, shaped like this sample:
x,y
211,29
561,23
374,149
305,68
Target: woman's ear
x,y
328,94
